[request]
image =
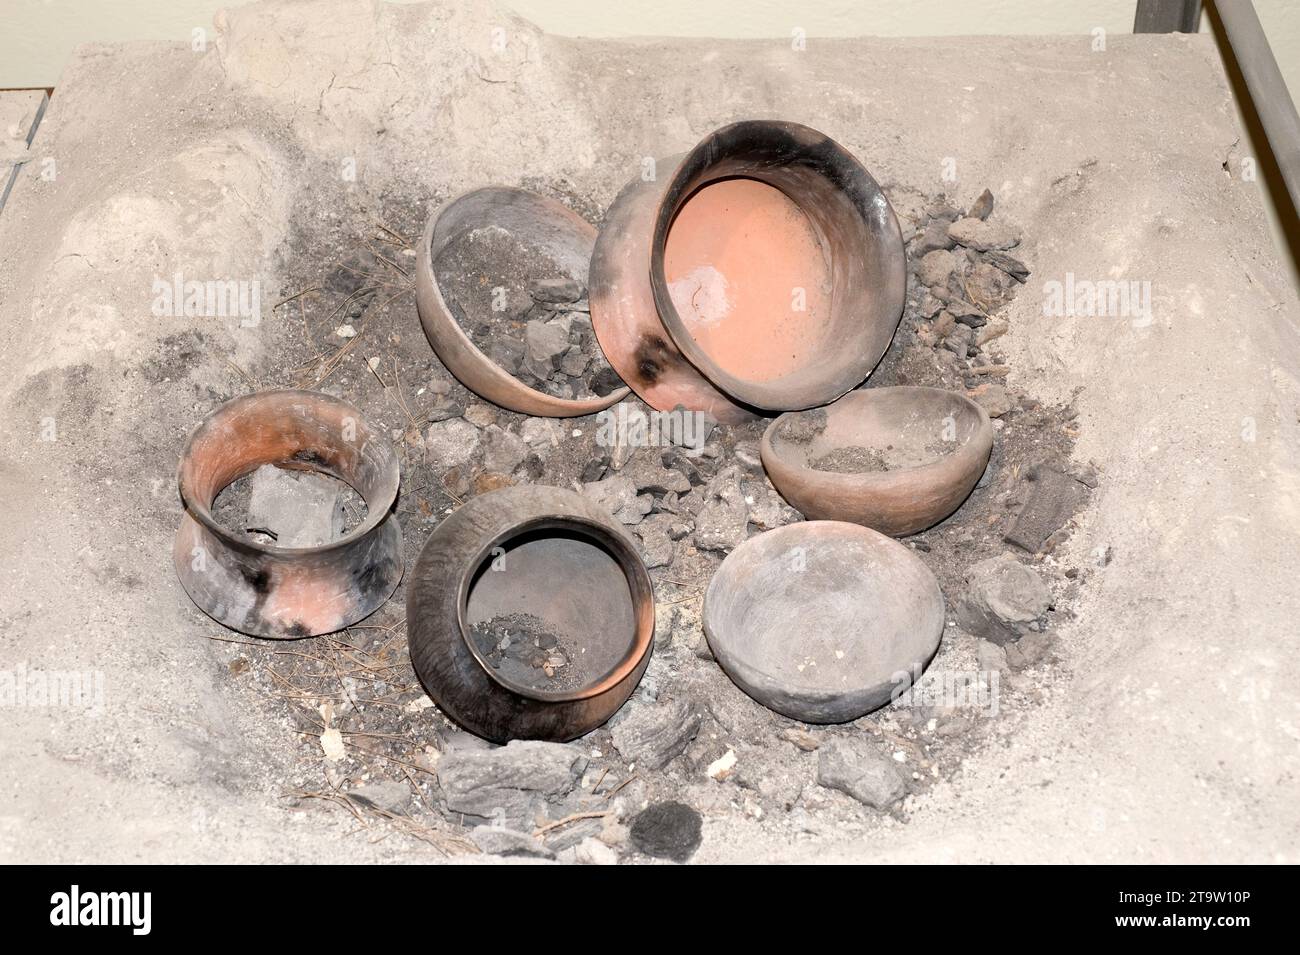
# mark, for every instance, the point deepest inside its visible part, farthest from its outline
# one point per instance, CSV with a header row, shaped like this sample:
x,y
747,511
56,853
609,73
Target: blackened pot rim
x,y
377,511
784,140
629,564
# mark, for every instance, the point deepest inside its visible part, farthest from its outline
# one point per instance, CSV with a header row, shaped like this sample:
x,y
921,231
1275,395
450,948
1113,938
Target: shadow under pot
x,y
271,591
896,459
764,269
530,615
545,240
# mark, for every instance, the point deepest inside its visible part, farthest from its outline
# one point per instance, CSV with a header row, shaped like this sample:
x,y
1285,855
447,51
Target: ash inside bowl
x,y
855,459
527,651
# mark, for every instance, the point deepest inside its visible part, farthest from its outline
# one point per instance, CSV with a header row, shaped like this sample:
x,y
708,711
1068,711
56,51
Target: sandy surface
x,y
1173,731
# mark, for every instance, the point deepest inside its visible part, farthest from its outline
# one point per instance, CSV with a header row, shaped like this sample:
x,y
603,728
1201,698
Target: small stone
x,y
688,429
480,415
646,471
544,343
993,398
1028,651
935,267
860,770
1050,499
487,482
941,208
302,509
934,236
332,745
990,657
509,843
385,795
618,495
557,291
653,736
667,830
983,236
540,434
345,331
605,380
1002,600
503,451
445,410
722,767
982,207
656,544
966,313
958,340
746,452
722,520
574,362
594,852
800,739
450,443
507,354
1009,264
987,286
509,782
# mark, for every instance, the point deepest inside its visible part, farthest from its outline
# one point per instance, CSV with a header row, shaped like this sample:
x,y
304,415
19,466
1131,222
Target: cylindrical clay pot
x,y
271,591
764,269
551,554
565,239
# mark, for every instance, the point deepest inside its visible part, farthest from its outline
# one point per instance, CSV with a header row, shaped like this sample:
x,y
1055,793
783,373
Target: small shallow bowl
x,y
822,621
928,448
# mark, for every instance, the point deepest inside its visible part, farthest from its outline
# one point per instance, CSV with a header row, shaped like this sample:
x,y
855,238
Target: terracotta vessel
x,y
271,591
562,235
548,553
764,269
823,621
928,448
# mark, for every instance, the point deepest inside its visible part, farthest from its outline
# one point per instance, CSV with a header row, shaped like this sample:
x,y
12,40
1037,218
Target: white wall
x,y
36,36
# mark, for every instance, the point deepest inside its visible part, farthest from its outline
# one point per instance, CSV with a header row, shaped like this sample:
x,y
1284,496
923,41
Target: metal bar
x,y
1268,92
1167,16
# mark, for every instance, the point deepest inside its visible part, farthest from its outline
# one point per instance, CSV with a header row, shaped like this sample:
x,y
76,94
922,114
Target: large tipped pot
x,y
535,552
560,234
271,591
764,269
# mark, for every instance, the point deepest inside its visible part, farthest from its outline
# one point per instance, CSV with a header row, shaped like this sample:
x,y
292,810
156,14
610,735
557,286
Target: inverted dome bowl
x,y
822,621
924,450
764,269
559,233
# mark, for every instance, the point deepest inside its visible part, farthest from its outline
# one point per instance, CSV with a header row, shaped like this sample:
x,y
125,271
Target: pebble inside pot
x,y
822,620
530,615
476,262
764,269
273,591
897,459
